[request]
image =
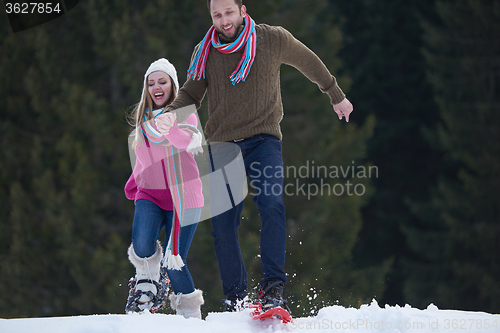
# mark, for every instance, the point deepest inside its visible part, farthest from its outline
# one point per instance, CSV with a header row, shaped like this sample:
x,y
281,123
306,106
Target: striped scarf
x,y
247,41
172,169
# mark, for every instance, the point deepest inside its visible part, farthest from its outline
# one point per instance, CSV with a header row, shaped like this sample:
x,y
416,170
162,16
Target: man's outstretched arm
x,y
296,54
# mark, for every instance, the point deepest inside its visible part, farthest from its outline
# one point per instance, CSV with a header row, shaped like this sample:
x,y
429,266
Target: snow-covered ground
x,y
368,318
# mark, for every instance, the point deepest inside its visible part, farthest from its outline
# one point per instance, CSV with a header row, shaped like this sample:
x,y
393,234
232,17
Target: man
x,y
237,64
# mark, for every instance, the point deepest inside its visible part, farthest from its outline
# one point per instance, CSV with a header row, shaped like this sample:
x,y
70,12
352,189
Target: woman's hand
x,y
165,121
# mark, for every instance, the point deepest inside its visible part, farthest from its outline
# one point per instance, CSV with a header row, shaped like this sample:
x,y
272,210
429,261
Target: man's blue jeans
x,y
149,219
264,167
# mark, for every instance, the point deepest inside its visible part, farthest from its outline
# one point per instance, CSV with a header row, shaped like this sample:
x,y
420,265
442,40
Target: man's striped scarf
x,y
247,41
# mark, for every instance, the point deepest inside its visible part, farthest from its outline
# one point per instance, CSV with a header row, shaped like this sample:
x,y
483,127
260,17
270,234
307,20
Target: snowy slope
x,y
368,318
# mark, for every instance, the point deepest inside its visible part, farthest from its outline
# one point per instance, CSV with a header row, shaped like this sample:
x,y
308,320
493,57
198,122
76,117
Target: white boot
x,y
187,305
146,269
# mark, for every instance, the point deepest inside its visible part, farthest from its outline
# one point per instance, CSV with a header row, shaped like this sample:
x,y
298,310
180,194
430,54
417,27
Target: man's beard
x,y
236,27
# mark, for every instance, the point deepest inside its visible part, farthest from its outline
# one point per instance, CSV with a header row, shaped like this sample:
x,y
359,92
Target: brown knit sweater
x,y
253,106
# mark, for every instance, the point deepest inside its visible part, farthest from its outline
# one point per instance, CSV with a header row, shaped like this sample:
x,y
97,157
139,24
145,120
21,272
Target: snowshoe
x,y
156,302
274,313
271,304
271,296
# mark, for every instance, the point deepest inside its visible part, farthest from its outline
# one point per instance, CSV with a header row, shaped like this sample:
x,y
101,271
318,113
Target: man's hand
x,y
165,121
343,109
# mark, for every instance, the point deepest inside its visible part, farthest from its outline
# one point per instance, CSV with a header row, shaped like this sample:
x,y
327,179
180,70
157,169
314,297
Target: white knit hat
x,y
159,65
165,66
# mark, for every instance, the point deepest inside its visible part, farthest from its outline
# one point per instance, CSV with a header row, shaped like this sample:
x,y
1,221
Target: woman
x,y
167,192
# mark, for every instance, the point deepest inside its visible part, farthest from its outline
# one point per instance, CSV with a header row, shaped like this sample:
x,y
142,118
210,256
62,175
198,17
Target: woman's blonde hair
x,y
136,117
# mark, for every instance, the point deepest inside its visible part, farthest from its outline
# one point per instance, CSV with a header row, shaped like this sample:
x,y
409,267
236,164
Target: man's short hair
x,y
238,2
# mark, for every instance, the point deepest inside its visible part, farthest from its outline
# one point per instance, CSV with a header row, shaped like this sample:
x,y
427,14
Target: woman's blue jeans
x,y
264,167
149,219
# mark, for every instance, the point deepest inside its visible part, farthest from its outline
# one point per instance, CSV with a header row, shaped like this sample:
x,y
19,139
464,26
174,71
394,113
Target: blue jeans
x,y
263,160
149,219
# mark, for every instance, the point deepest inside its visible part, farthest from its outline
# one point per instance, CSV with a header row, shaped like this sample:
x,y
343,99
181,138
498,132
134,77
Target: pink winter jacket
x,y
149,177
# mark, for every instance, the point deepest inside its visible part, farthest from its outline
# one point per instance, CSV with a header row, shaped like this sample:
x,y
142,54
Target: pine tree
x,y
61,205
456,245
382,54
